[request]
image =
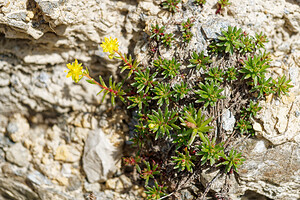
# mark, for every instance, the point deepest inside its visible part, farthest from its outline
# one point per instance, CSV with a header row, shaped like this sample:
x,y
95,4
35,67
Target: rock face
x,y
99,157
49,124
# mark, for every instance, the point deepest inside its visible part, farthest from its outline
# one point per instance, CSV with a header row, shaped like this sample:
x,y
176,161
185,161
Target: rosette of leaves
x,y
210,151
162,92
156,192
251,110
215,74
157,32
183,161
167,39
180,90
233,161
231,74
162,123
260,40
195,123
171,5
186,26
264,87
221,5
143,80
255,68
229,41
199,60
244,126
149,171
170,68
187,36
139,100
248,44
209,93
281,86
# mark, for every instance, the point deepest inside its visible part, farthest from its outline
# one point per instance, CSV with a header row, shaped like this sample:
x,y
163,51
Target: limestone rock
x,y
67,153
99,157
228,120
12,189
17,128
18,155
37,178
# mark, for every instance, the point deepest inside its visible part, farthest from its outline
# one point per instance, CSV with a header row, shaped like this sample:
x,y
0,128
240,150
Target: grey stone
x,y
228,120
294,73
47,6
18,155
271,169
92,187
186,195
99,157
212,28
19,16
4,141
4,79
37,178
74,183
12,189
12,127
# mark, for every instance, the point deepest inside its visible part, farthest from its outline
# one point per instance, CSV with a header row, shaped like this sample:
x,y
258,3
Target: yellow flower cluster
x,y
110,45
75,71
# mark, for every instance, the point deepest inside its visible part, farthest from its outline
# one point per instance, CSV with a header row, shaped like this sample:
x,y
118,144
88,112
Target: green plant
x,y
231,74
115,89
180,90
183,161
244,126
149,171
248,44
163,93
252,110
186,26
263,87
229,41
155,192
233,161
143,80
281,86
170,67
260,40
200,2
255,68
210,151
195,123
157,32
187,36
167,39
158,95
221,5
199,60
171,5
186,33
138,100
209,93
160,123
215,75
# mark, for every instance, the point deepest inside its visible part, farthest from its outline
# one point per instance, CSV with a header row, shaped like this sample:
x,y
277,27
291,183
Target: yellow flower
x,y
75,71
110,45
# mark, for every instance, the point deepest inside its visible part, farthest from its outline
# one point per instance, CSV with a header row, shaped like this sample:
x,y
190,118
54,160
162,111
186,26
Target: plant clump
x,y
177,122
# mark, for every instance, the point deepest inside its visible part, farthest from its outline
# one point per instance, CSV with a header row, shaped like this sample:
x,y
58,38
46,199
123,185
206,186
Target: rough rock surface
x,y
99,157
49,118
